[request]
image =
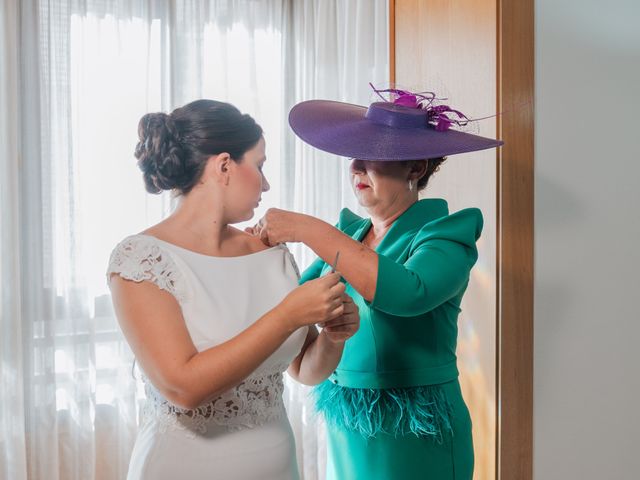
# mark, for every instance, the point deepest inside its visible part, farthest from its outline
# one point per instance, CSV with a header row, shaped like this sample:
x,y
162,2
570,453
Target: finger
x,y
264,236
336,328
341,321
335,324
351,310
334,298
338,289
332,278
335,313
339,336
345,317
335,303
342,331
346,298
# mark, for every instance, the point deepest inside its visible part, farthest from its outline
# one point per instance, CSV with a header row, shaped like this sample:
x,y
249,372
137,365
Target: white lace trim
x,y
139,258
255,401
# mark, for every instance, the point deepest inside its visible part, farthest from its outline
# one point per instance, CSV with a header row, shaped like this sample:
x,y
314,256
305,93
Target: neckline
x,y
415,216
214,257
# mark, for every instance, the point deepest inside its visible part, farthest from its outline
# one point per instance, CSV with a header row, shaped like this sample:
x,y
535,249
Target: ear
x,y
418,169
219,168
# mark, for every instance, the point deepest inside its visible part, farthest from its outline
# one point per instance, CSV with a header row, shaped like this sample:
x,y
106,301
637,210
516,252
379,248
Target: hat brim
x,y
343,129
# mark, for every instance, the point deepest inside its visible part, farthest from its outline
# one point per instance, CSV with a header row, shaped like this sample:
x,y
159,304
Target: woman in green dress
x,y
393,406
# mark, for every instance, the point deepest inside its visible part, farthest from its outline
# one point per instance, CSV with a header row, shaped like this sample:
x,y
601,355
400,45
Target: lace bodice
x,y
204,288
255,401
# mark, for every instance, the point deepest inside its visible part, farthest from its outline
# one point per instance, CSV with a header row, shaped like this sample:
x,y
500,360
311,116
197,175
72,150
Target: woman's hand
x,y
317,301
344,327
358,263
278,226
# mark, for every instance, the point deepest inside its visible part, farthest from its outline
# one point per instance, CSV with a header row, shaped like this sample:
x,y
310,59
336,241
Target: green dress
x,y
393,406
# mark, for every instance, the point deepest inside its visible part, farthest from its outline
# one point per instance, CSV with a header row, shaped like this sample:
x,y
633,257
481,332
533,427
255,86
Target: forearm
x,y
319,361
209,373
357,264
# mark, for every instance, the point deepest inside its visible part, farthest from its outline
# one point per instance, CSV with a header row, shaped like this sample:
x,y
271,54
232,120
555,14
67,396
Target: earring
x,y
410,185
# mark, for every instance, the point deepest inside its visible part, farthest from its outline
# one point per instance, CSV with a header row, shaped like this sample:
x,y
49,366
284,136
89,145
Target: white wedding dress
x,y
244,433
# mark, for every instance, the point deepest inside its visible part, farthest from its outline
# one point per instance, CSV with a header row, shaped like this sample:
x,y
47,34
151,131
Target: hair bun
x,y
174,150
160,152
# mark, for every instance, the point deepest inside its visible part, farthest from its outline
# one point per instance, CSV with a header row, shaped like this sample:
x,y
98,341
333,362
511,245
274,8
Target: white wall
x,y
587,240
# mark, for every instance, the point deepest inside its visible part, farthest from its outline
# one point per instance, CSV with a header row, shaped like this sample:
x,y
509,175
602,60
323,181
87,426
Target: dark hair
x,y
174,148
433,165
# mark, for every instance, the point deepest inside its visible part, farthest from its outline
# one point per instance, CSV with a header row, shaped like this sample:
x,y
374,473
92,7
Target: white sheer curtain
x,y
75,77
338,48
12,395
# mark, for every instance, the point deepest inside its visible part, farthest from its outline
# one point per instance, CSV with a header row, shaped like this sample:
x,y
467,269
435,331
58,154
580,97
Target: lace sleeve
x,y
139,258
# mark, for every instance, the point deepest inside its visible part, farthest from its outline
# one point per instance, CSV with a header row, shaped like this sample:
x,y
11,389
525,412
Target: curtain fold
x,y
13,438
336,49
75,77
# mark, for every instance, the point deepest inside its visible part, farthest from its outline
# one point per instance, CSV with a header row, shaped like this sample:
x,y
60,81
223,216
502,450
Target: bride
x,y
213,316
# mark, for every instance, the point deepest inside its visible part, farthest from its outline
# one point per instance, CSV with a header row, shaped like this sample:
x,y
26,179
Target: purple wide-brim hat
x,y
384,131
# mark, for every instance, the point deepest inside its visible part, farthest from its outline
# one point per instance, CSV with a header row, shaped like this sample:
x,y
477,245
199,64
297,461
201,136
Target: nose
x,y
357,166
265,184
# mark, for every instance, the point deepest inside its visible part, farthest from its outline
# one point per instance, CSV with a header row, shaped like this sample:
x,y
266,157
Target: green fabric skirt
x,y
388,455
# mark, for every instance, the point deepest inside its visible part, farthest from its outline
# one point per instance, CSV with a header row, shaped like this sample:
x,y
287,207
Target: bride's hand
x,y
277,226
316,301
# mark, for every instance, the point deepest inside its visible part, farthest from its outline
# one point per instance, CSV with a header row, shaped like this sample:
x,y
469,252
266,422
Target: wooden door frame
x,y
515,223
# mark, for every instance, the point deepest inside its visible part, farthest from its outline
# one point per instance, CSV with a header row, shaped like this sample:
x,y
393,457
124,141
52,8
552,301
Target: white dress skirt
x,y
243,434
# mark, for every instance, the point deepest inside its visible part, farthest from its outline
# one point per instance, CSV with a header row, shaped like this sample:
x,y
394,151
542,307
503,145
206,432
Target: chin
x,y
363,202
248,216
243,217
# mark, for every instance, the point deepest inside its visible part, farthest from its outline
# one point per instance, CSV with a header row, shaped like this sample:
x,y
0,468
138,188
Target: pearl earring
x,y
410,186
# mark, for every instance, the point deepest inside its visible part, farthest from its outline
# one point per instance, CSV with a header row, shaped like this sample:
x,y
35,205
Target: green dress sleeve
x,y
313,271
436,270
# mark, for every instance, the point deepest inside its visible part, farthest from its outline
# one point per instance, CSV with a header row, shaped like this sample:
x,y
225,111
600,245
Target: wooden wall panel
x,y
515,227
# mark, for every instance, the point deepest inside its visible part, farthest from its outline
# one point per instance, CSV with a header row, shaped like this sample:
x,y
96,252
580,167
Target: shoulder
x,y
132,246
142,257
464,226
247,243
348,221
